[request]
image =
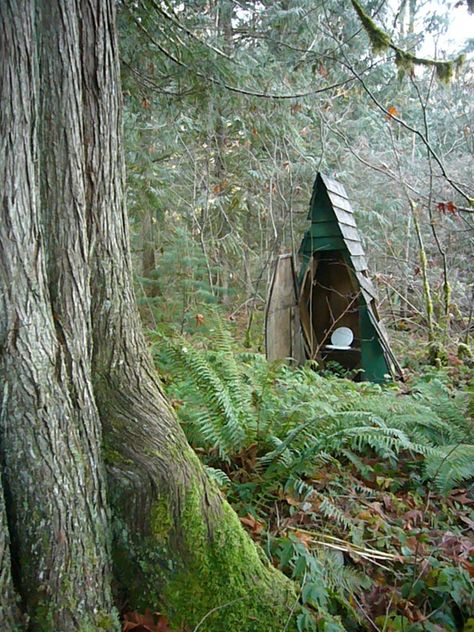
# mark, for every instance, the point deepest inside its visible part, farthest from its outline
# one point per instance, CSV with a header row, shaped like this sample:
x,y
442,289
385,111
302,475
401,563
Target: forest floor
x,y
362,493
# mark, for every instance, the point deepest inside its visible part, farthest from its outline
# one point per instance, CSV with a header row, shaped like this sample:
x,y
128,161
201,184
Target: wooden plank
x,y
306,289
320,244
344,217
321,210
325,229
349,232
340,202
395,368
359,262
297,342
282,327
366,284
354,247
333,185
367,297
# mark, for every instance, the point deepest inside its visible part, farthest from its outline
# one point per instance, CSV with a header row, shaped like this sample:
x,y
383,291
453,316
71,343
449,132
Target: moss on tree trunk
x,y
79,387
199,564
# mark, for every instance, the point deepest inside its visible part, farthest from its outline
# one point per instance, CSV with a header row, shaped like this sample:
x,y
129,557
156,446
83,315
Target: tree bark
x,y
9,613
179,544
50,427
77,373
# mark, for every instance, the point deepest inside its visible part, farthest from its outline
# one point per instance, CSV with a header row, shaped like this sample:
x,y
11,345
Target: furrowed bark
x,y
9,614
179,543
63,207
55,518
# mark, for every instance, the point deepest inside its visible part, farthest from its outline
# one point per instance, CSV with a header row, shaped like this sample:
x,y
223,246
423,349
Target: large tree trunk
x,y
9,613
50,431
75,366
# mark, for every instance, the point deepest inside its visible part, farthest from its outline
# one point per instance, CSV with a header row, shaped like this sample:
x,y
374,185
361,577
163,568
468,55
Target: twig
x,y
413,130
224,605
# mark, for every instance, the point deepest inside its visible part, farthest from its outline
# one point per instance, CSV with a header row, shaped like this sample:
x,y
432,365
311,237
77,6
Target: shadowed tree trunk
x,y
79,388
9,613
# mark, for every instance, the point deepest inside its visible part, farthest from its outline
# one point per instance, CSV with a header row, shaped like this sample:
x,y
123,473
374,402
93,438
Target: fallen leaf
x,y
162,624
391,112
147,622
412,518
249,521
304,538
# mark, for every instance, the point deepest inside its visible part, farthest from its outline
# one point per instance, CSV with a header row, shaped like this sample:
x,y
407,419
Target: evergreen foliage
x,y
299,418
218,150
231,108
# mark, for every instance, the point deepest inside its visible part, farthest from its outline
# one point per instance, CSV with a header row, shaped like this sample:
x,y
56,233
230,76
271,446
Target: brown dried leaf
x,y
304,538
249,521
392,112
146,622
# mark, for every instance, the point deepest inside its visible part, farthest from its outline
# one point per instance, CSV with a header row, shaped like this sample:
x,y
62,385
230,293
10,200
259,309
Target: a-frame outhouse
x,y
328,313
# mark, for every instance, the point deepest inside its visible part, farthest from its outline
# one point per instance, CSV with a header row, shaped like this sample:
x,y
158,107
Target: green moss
x,y
223,572
104,622
196,559
114,457
437,354
379,40
161,520
444,70
43,620
108,621
404,62
465,351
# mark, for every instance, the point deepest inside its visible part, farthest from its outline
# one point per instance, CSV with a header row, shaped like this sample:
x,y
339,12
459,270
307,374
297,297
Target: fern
x,y
299,419
218,476
332,512
218,399
450,466
306,439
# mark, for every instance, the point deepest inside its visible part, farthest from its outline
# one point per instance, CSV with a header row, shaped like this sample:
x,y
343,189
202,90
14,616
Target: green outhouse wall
x,y
323,234
372,357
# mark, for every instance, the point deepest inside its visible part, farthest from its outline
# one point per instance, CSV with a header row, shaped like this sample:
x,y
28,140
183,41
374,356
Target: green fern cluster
x,y
299,420
217,410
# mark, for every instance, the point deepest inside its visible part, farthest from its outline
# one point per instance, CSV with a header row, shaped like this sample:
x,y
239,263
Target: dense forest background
x,y
232,108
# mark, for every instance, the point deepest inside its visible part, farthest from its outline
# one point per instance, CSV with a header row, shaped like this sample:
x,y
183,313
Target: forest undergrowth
x,y
362,493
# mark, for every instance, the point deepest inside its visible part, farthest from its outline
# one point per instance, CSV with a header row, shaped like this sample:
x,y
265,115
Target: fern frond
x,y
218,476
219,419
331,511
450,466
